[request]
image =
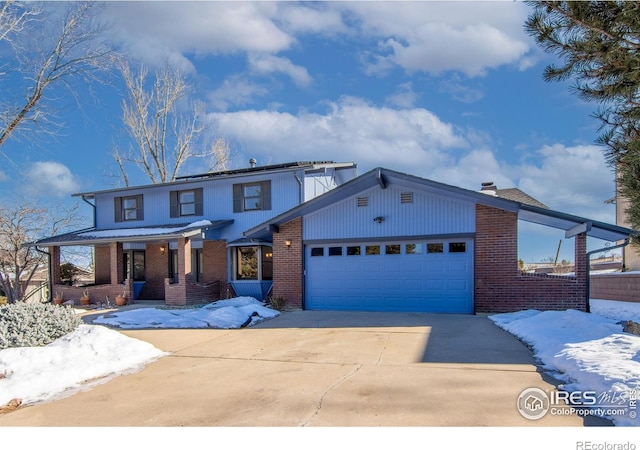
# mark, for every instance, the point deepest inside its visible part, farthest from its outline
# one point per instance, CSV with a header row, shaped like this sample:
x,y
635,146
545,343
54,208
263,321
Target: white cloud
x,y
51,178
235,91
155,30
267,64
435,37
573,179
411,140
405,96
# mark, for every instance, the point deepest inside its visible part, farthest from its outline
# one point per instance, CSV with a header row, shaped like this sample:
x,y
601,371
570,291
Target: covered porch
x,y
182,265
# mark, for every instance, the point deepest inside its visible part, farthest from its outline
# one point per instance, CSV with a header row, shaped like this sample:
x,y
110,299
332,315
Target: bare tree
x,y
20,224
163,137
46,54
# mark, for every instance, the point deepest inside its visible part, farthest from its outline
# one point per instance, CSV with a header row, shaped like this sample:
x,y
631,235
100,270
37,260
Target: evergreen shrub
x,y
35,324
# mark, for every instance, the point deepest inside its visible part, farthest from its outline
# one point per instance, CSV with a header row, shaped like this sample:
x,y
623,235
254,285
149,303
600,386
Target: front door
x,y
134,265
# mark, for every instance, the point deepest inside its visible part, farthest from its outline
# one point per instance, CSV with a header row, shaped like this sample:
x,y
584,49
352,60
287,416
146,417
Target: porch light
x,y
287,243
162,249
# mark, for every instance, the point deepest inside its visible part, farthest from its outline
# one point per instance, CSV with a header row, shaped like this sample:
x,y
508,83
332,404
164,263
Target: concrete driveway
x,y
313,368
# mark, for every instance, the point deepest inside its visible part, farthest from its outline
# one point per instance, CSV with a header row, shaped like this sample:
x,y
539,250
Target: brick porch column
x,y
116,263
55,264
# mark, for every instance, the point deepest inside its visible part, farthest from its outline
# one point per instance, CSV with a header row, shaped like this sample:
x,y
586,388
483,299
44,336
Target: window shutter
x,y
198,200
117,207
139,207
265,192
173,204
237,198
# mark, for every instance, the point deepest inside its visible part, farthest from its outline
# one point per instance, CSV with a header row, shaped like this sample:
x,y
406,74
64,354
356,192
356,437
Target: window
x,y
317,251
372,250
353,251
134,265
185,203
252,196
413,249
392,249
128,208
435,248
197,263
457,247
253,263
335,251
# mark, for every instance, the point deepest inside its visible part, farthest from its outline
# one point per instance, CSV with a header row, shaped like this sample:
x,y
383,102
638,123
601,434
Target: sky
x,y
450,91
585,352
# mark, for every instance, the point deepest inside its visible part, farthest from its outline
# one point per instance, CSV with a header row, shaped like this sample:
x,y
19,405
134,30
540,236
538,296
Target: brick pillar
x,y
55,264
581,268
184,260
116,262
288,263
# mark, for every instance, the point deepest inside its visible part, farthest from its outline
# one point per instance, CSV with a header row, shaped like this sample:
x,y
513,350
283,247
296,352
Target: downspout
x,y
300,191
84,199
49,273
624,244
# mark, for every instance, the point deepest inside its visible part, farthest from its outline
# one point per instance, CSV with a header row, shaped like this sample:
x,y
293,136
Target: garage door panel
x,y
419,281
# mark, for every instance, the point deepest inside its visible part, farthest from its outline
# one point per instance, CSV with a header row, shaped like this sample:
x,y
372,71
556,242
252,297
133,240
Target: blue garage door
x,y
416,276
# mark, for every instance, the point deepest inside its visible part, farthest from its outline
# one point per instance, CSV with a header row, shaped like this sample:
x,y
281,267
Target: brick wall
x,y
216,267
156,270
102,264
499,287
616,286
288,263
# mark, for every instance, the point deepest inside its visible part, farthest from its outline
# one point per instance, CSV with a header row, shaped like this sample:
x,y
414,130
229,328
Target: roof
x,y
519,196
92,236
527,211
292,166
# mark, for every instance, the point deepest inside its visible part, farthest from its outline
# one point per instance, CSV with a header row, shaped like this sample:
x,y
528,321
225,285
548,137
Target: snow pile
x,y
36,374
232,313
588,352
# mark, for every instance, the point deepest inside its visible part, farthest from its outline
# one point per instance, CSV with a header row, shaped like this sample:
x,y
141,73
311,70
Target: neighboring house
x,y
321,238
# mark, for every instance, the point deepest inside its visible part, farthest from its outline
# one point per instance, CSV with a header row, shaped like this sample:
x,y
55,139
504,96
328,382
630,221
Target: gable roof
x,y
384,177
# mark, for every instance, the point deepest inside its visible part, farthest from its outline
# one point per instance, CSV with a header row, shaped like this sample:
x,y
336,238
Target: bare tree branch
x,y
75,54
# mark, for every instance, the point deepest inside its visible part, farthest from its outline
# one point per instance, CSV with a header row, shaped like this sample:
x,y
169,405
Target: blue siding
x,y
428,214
217,203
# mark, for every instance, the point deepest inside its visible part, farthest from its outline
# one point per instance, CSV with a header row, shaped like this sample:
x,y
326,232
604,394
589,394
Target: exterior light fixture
x,y
287,243
162,249
378,219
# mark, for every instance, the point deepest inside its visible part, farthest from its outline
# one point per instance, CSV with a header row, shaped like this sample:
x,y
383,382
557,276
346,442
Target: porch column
x,y
184,260
55,264
116,262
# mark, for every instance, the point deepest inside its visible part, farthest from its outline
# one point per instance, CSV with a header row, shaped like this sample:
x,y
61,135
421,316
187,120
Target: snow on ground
x,y
585,351
94,354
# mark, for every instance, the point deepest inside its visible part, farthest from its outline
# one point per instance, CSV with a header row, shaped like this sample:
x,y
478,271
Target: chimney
x,y
489,186
252,162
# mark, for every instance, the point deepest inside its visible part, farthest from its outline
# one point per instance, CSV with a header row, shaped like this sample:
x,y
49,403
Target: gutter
x,y
588,295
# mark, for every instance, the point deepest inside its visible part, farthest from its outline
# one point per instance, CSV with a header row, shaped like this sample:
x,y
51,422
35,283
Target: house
x,y
182,242
321,238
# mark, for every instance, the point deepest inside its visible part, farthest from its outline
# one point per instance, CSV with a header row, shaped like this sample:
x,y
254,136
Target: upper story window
x,y
252,196
185,203
129,208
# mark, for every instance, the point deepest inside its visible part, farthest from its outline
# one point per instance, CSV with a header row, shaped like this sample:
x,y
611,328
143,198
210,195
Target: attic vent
x,y
363,201
406,197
